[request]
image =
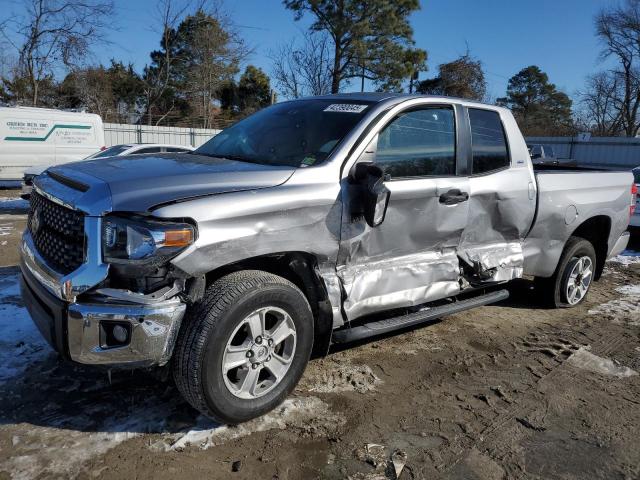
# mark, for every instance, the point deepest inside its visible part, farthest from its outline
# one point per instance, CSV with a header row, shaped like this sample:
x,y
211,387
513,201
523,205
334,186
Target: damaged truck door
x,y
502,202
411,257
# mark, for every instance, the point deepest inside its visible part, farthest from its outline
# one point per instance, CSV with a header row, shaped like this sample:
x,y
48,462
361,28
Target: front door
x,y
411,257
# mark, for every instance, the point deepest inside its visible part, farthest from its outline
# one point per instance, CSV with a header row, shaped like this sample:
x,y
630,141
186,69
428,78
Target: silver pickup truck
x,y
317,221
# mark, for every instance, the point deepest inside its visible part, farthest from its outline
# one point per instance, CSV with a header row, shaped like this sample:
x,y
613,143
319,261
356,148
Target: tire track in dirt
x,y
510,420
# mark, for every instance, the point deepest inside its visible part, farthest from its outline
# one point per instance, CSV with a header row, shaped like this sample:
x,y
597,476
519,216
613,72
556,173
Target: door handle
x,y
454,196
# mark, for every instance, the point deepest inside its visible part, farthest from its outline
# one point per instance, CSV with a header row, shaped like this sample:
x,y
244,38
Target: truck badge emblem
x,y
35,221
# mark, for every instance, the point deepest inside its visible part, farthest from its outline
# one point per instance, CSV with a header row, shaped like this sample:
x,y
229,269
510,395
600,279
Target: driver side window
x,y
419,143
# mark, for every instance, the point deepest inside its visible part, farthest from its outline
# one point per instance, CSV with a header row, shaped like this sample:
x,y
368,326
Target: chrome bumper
x,y
77,330
154,329
620,245
67,287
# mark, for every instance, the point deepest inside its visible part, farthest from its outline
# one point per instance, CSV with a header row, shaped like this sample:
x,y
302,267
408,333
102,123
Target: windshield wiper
x,y
239,158
225,157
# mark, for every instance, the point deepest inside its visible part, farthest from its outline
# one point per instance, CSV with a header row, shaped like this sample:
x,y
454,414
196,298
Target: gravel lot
x,y
506,391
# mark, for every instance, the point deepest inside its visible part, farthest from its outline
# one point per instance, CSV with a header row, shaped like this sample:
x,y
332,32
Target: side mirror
x,y
375,195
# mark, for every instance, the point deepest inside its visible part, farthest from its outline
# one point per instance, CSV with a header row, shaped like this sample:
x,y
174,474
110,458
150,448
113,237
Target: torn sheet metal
x,y
408,260
334,294
399,282
500,215
496,262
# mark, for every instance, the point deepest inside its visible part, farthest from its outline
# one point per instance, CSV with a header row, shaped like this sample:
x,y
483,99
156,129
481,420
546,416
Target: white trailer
x,y
41,136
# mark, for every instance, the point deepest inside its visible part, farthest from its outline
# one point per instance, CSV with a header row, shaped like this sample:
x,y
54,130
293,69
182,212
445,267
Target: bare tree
x,y
304,69
95,90
619,30
55,33
601,104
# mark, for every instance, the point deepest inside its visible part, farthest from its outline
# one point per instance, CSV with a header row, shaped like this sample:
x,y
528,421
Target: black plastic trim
x,y
81,187
47,312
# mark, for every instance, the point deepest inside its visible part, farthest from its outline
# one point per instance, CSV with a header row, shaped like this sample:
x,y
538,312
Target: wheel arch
x,y
596,230
300,268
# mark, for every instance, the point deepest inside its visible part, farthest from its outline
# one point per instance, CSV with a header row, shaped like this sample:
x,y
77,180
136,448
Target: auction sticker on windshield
x,y
345,108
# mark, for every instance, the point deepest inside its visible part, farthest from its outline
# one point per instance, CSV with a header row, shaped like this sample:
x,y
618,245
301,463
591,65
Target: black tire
x,y
553,290
208,325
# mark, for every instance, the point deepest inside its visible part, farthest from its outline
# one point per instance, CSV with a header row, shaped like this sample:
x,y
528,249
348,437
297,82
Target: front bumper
x,y
76,330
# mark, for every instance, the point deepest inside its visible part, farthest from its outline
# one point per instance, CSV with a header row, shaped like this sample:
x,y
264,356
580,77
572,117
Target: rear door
x,y
502,200
411,257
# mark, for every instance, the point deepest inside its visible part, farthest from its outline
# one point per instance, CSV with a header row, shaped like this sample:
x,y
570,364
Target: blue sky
x,y
506,35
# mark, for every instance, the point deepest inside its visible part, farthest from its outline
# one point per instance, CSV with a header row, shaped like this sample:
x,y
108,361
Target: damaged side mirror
x,y
374,194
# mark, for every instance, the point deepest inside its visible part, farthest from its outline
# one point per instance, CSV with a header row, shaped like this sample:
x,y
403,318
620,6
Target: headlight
x,y
138,239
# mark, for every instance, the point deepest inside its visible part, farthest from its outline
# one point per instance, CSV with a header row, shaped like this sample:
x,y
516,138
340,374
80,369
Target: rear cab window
x,y
488,142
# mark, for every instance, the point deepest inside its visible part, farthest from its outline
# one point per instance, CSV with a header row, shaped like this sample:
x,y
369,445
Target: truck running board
x,y
390,324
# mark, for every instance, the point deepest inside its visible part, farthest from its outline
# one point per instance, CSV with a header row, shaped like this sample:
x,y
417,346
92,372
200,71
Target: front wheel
x,y
573,277
244,347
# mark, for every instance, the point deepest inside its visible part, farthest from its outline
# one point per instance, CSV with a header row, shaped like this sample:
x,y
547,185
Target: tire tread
x,y
200,320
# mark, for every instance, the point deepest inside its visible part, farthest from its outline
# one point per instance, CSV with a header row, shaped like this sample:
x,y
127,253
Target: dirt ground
x,y
506,391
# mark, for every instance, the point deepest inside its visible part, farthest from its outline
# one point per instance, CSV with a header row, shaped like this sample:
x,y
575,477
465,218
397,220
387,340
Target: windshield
x,y
110,152
298,134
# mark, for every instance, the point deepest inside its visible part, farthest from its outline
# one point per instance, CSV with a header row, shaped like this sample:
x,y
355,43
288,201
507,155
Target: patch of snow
x,y
21,344
308,413
6,229
11,203
586,360
626,259
629,290
62,452
627,307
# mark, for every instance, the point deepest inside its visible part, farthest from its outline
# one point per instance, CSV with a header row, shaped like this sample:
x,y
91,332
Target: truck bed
x,y
567,197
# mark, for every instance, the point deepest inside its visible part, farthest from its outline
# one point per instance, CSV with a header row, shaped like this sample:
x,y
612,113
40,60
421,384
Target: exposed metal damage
x,y
497,262
399,282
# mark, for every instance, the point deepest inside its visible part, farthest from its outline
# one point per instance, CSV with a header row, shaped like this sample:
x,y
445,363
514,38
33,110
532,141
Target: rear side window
x,y
419,143
176,149
147,150
488,141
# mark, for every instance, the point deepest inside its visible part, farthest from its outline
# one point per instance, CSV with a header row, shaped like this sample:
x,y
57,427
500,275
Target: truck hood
x,y
139,182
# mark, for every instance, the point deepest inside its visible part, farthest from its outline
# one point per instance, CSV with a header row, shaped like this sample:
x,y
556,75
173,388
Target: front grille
x,y
58,233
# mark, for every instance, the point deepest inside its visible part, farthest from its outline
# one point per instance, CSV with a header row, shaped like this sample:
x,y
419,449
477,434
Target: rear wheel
x,y
572,279
244,347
